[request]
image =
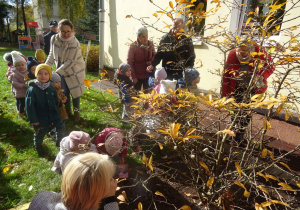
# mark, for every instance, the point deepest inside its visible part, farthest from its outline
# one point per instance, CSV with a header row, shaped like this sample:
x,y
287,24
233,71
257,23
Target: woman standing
x,y
65,53
140,55
241,64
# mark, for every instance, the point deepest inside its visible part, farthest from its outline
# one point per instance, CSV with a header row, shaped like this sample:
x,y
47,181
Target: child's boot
x,y
21,115
69,111
76,116
39,149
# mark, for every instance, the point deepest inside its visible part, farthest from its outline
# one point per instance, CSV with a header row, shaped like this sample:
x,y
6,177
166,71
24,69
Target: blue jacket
x,y
42,106
125,85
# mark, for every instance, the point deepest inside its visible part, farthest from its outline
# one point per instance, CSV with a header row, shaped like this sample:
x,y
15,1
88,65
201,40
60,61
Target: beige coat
x,y
69,63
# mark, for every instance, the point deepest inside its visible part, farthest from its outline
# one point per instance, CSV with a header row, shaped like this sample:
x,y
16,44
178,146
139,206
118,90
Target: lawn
x,y
23,174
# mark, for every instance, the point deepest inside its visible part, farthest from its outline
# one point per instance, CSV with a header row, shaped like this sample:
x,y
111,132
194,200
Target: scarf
x,y
42,85
66,40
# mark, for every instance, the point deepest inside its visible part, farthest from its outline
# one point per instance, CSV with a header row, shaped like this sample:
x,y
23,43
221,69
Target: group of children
x,y
190,79
37,91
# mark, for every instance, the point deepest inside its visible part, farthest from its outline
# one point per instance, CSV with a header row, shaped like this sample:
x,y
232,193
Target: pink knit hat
x,y
113,143
78,137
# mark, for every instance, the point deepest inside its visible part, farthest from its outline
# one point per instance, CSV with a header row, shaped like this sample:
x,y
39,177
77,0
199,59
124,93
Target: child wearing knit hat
x,y
123,79
160,74
78,142
18,83
31,66
8,58
40,55
191,77
111,141
42,108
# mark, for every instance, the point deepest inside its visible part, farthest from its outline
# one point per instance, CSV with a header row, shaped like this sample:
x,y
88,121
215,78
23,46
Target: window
x,y
258,10
193,18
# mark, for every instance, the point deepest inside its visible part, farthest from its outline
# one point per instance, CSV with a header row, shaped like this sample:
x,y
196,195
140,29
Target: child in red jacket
x,y
111,141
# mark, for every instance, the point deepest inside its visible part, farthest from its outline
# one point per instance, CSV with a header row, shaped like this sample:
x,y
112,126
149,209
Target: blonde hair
x,y
86,180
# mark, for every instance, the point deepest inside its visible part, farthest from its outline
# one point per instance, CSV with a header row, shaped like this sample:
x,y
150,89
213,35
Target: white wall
x,y
119,30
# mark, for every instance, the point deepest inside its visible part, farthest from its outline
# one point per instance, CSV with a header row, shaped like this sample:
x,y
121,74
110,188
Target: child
x,y
18,83
78,142
160,74
111,141
8,58
62,99
42,108
40,56
31,66
192,77
125,84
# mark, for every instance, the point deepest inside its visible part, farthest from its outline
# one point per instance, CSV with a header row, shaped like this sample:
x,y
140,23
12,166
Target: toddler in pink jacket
x,y
18,83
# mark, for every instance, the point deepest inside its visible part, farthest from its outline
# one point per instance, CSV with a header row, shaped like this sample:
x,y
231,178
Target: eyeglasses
x,y
66,32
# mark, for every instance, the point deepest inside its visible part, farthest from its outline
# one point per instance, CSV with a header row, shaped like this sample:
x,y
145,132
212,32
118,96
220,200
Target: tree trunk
x,y
24,18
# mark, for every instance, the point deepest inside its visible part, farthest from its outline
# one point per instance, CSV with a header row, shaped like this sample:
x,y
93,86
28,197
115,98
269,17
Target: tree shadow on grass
x,y
6,191
18,135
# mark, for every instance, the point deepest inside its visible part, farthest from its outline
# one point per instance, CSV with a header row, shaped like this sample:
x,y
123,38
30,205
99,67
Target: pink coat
x,y
18,83
139,57
101,139
232,72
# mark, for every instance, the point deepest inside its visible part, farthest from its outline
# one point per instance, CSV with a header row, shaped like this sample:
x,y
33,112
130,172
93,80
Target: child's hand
x,y
35,123
149,69
135,81
112,189
64,101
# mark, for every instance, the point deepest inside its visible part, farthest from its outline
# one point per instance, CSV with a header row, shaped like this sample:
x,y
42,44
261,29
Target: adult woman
x,y
140,55
87,181
241,64
65,53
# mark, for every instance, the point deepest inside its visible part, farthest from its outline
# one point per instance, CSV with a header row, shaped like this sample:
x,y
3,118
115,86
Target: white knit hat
x,y
16,57
113,143
160,73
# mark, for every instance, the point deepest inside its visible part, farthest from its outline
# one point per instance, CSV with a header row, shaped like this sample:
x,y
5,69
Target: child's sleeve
x,y
30,101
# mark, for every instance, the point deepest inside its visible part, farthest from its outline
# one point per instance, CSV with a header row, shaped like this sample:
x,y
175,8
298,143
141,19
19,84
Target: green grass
x,y
31,174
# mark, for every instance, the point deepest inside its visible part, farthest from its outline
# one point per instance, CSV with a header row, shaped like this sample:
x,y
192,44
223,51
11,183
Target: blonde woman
x,y
65,53
87,181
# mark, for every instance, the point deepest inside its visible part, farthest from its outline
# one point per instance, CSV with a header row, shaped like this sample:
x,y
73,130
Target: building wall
x,y
121,31
41,18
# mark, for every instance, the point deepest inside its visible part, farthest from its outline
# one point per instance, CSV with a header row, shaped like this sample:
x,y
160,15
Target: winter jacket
x,y
47,40
69,63
101,139
42,106
176,53
139,58
48,200
232,72
125,85
18,83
